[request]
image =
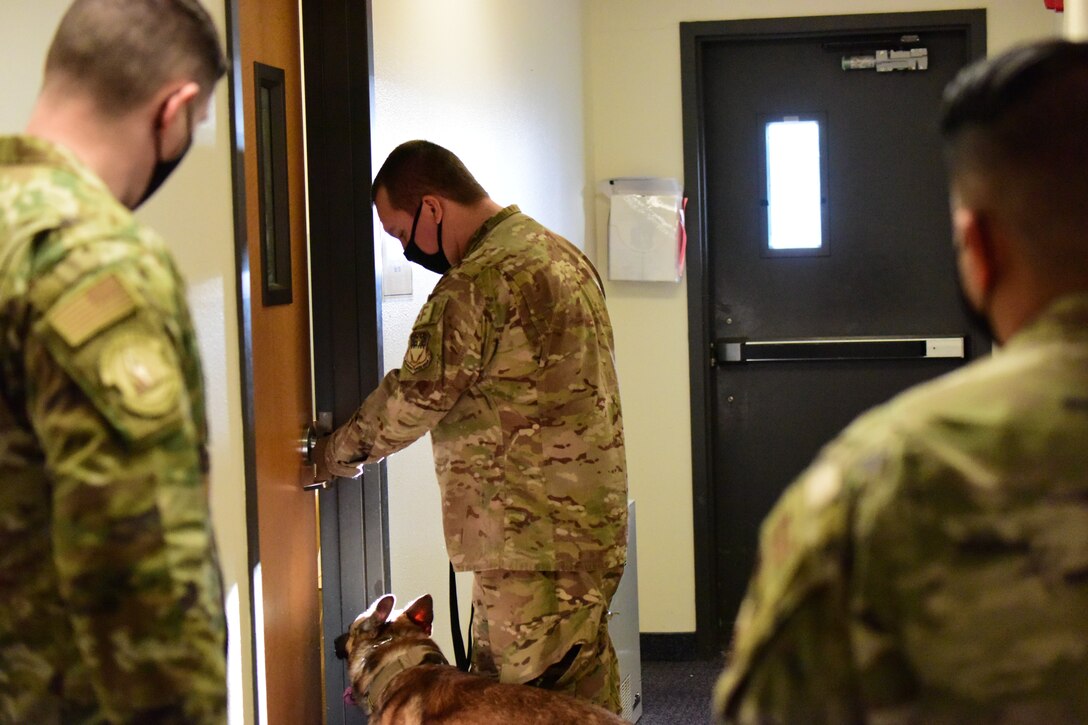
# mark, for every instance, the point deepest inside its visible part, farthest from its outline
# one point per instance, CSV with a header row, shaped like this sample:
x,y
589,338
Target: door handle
x,y
308,442
733,350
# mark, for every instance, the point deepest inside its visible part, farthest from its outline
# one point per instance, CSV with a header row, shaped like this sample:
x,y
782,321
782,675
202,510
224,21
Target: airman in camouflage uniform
x,y
932,565
110,595
510,368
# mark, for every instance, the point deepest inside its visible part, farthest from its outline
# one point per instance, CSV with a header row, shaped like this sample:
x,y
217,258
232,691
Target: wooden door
x,y
286,596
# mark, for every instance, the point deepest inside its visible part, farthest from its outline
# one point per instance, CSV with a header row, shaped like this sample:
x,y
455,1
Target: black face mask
x,y
435,262
163,168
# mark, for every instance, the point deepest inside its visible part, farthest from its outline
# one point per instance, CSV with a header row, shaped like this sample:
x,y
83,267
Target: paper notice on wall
x,y
645,230
396,270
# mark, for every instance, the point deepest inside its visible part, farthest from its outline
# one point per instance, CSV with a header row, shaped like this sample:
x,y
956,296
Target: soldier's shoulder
x,y
52,210
980,386
37,186
924,439
480,280
43,219
79,253
516,243
906,422
117,343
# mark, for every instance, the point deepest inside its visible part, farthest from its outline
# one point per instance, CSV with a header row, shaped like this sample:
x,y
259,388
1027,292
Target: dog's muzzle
x,y
340,646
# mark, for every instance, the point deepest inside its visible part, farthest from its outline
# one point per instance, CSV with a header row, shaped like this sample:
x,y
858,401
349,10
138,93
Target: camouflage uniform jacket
x,y
110,597
932,564
510,367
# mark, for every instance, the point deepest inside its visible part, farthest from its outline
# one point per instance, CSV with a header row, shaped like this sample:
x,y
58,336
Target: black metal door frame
x,y
711,633
346,298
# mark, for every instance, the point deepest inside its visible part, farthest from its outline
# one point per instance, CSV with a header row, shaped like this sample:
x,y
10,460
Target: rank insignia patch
x,y
419,355
137,366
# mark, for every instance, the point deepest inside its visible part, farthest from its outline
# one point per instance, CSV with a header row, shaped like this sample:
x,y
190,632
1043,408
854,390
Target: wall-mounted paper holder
x,y
646,236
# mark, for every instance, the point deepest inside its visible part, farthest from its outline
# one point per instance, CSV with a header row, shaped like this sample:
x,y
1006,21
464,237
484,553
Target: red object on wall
x,y
1057,5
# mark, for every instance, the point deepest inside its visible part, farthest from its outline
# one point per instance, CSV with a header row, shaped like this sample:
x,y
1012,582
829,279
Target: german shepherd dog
x,y
399,675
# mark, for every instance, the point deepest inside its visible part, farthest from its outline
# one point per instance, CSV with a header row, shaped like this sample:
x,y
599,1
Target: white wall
x,y
499,83
633,112
193,212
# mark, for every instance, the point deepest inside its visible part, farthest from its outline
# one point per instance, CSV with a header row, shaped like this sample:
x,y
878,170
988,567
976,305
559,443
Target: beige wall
x,y
26,27
1076,19
193,213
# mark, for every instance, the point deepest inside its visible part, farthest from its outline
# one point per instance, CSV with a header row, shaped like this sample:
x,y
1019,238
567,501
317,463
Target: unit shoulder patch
x,y
423,359
138,367
419,355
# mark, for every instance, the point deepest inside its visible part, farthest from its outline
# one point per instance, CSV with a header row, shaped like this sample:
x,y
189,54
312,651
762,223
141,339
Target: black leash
x,y
459,653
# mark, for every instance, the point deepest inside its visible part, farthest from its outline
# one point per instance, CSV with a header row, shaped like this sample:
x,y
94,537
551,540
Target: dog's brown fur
x,y
398,671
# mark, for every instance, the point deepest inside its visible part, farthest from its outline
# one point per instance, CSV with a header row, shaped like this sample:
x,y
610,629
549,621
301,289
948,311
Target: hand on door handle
x,y
315,440
330,467
315,446
324,469
312,449
317,458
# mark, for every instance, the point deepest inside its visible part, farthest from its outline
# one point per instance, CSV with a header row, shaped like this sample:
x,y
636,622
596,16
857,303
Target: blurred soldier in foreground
x,y
932,564
510,368
110,594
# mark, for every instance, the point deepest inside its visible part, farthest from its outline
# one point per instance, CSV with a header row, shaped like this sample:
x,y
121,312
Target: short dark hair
x,y
1016,141
124,51
417,168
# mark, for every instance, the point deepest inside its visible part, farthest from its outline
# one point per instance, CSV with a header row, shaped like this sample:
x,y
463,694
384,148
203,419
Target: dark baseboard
x,y
671,647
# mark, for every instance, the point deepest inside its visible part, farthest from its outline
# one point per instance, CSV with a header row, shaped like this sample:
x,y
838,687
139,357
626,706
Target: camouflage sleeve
x,y
450,343
791,659
133,546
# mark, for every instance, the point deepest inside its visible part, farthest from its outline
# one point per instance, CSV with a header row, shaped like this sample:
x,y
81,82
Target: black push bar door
x,y
731,350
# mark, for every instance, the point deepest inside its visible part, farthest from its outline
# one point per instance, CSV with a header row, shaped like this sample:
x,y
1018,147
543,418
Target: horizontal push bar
x,y
742,350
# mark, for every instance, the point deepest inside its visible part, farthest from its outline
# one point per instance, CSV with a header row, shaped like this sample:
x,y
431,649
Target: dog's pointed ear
x,y
379,612
421,613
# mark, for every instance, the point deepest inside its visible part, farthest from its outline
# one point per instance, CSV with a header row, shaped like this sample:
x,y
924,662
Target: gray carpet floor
x,y
678,693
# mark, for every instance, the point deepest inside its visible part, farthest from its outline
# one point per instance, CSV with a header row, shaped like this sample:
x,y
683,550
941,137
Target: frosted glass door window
x,y
794,196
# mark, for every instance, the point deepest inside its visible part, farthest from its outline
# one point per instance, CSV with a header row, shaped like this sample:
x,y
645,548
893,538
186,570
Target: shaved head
x,y
1016,133
122,52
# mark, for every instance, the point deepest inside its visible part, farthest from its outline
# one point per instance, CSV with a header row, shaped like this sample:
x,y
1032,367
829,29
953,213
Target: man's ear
x,y
182,96
180,108
421,613
432,205
979,254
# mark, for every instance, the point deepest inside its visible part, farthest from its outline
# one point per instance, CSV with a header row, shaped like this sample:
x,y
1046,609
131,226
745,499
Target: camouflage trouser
x,y
549,629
